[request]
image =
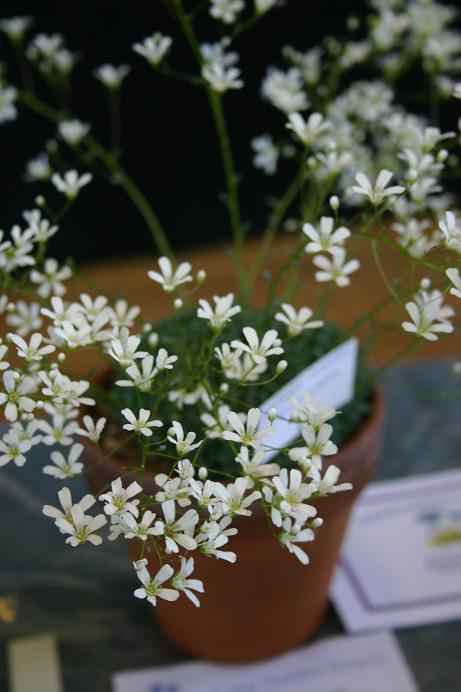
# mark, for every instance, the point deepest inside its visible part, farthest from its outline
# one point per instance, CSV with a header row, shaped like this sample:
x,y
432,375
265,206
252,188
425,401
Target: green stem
x,y
275,219
113,167
232,198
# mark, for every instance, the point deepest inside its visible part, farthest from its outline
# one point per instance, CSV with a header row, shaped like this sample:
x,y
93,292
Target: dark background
x,y
170,147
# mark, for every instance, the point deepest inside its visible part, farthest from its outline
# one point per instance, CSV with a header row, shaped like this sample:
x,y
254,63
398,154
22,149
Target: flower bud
x,y
61,357
272,414
40,201
224,388
146,327
281,366
425,283
334,202
203,473
201,276
178,303
318,521
153,339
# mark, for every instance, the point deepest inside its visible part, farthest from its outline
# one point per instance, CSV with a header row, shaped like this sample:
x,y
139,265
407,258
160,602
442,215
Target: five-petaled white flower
x,y
92,429
247,433
71,184
65,468
16,27
259,351
226,10
335,269
232,496
14,395
285,90
110,75
291,535
297,321
290,494
326,485
168,278
51,278
184,444
13,448
140,424
65,498
325,238
154,48
266,154
222,312
81,527
429,316
378,192
177,531
181,581
318,442
72,132
119,499
310,130
152,588
32,351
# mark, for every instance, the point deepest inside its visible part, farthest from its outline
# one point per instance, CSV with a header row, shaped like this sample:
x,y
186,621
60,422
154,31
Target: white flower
x,y
71,184
181,581
429,315
177,531
378,192
130,528
81,527
457,91
289,499
65,468
50,280
40,227
310,130
61,312
4,365
297,321
232,496
93,429
326,485
125,350
168,278
154,48
124,315
221,313
266,154
259,351
226,10
65,498
255,467
7,108
318,442
141,424
25,318
291,535
285,90
309,412
222,78
119,498
110,75
163,361
451,231
13,448
184,445
262,6
325,238
152,588
15,393
141,378
246,433
59,431
16,27
455,278
335,269
72,132
38,169
32,351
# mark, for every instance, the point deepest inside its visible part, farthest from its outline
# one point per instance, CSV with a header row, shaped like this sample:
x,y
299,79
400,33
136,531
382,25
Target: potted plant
x,y
193,464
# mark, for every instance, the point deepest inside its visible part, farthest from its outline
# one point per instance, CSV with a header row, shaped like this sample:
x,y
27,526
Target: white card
x,y
348,664
33,664
401,560
330,381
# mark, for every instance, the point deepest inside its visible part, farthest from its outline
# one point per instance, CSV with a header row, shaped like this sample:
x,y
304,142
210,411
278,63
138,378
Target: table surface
x,y
84,596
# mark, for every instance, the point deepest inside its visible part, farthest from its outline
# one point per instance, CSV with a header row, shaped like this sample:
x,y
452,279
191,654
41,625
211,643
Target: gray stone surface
x,y
84,595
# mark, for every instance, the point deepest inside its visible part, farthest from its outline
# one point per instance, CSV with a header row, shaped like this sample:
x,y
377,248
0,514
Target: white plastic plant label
x,y
330,381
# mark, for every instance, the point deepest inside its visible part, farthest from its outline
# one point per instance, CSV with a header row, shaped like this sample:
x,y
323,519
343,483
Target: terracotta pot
x,y
267,602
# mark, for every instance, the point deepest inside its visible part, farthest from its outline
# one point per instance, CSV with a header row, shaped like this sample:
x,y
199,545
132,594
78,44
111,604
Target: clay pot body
x,y
267,602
